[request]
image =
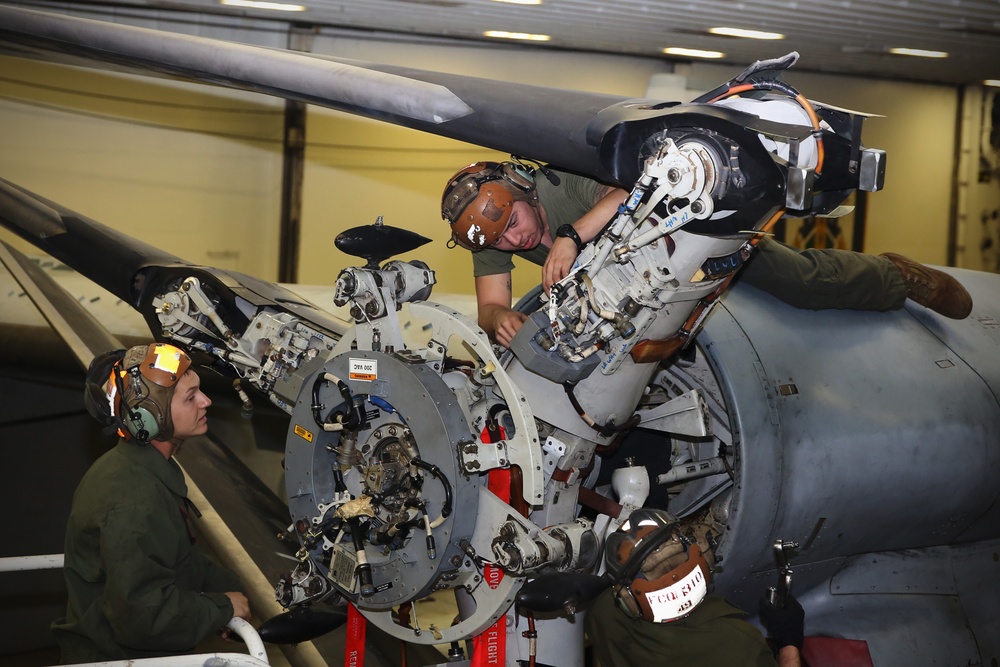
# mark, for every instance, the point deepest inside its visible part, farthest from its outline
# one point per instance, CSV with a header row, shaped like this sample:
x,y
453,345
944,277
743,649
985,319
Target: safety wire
x,y
784,89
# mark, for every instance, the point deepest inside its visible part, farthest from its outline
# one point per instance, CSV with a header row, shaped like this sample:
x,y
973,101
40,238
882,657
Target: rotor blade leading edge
x,y
282,73
565,128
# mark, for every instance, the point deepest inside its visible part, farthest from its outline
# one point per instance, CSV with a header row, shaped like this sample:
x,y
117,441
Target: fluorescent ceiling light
x,y
521,2
992,82
256,4
692,53
749,34
503,34
921,53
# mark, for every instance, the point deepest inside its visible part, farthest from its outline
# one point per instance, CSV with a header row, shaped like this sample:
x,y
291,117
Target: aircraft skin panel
x,y
902,602
900,629
746,545
976,338
880,409
977,580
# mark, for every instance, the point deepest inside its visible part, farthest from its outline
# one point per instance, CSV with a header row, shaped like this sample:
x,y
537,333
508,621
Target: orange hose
x,y
766,227
735,90
814,119
803,102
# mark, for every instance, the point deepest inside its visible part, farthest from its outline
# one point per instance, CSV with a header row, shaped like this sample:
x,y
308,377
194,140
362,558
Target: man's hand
x,y
506,323
241,609
241,606
496,317
559,262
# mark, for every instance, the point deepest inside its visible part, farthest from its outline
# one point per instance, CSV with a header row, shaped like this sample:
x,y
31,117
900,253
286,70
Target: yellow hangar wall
x,y
191,169
197,170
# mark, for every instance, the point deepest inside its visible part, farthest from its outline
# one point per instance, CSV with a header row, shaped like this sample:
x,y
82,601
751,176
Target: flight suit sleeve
x,y
218,579
154,599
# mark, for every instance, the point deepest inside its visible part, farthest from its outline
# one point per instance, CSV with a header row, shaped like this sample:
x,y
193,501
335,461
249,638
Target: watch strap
x,y
568,232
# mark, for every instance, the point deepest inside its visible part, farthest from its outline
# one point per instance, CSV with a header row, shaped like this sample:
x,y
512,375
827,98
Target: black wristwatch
x,y
567,232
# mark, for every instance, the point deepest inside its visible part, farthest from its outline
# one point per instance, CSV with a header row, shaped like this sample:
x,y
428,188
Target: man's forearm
x,y
488,314
592,222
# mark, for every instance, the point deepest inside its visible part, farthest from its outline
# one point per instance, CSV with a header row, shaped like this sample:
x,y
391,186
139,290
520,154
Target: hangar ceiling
x,y
837,36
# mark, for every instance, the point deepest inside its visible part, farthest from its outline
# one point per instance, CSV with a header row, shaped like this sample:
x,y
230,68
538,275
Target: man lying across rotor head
x,y
498,210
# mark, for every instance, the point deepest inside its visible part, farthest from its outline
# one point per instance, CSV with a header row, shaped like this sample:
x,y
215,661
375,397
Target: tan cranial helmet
x,y
478,201
132,389
661,566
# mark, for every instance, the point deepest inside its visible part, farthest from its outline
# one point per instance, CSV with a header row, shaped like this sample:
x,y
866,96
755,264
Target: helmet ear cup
x,y
139,390
520,177
142,424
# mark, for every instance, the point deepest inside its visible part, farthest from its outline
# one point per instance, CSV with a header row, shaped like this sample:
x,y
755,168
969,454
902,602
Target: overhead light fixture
x,y
527,36
992,82
692,53
920,53
257,4
521,2
748,34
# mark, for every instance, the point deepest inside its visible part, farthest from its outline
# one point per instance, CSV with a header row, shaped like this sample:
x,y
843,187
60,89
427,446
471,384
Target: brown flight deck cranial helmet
x,y
479,199
661,566
130,390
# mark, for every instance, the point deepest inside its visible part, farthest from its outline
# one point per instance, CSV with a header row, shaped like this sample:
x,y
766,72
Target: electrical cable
x,y
785,89
434,470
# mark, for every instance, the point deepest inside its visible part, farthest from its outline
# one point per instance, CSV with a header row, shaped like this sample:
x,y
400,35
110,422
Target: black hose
x,y
351,417
434,470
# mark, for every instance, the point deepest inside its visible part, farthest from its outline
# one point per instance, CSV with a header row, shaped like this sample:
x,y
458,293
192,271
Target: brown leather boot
x,y
932,288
